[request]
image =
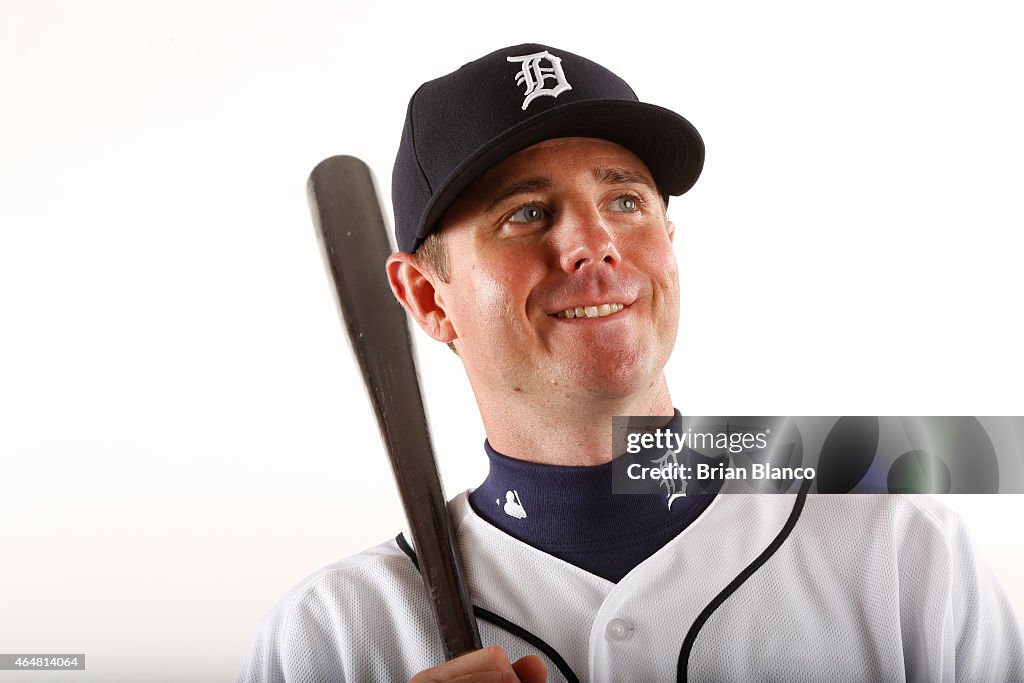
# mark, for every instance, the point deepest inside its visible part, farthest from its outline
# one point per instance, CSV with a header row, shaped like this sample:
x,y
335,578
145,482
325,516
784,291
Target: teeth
x,y
598,311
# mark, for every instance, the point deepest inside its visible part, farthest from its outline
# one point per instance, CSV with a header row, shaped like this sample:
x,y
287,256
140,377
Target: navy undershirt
x,y
570,512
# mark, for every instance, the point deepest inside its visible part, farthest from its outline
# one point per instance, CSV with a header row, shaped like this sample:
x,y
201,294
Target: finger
x,y
485,677
489,659
531,669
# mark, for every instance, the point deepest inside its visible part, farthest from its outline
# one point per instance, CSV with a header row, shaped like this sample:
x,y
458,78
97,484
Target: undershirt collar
x,y
570,512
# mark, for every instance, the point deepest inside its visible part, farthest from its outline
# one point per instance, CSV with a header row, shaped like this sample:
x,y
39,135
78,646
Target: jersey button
x,y
618,629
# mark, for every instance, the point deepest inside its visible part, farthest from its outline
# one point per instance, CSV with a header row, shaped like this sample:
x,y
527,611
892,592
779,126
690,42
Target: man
x,y
530,196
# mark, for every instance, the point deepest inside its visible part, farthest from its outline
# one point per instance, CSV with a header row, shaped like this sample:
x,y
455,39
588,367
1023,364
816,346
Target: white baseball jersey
x,y
760,587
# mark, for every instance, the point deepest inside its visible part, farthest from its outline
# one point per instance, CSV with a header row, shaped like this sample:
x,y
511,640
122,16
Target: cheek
x,y
658,260
660,265
665,263
489,301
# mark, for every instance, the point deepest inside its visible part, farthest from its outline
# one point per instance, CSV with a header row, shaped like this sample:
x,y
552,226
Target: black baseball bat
x,y
354,238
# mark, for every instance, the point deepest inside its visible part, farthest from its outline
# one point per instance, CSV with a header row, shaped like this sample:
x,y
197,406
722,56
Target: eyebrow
x,y
608,176
535,184
622,176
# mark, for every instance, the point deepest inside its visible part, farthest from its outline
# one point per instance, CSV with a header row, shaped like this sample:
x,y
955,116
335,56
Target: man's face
x,y
568,224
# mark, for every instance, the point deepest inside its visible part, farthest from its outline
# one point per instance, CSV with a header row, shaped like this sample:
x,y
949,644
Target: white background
x,y
182,430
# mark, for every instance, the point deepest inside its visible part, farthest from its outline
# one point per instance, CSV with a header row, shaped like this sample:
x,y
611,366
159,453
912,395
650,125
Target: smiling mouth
x,y
599,311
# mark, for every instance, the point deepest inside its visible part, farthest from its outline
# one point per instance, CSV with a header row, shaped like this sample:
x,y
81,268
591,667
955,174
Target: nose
x,y
583,239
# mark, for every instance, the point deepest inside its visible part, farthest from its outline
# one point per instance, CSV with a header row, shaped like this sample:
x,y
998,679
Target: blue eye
x,y
625,203
527,214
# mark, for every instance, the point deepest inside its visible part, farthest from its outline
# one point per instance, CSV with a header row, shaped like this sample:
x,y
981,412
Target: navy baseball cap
x,y
460,125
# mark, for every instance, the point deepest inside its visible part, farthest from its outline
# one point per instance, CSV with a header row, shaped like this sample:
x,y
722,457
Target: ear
x,y
671,231
414,288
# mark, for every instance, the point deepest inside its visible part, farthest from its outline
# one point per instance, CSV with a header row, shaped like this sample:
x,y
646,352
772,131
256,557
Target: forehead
x,y
557,160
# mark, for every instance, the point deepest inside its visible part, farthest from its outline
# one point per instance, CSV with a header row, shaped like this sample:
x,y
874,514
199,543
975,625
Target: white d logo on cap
x,y
534,74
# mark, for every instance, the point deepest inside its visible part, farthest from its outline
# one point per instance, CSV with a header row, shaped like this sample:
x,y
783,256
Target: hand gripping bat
x,y
355,244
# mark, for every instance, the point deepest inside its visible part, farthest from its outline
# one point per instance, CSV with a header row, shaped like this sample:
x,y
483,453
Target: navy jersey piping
x,y
503,623
741,578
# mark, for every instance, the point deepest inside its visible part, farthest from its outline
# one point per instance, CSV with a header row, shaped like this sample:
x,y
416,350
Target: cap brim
x,y
670,146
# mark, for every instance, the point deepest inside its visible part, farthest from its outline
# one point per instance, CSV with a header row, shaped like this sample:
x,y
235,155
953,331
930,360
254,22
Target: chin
x,y
617,376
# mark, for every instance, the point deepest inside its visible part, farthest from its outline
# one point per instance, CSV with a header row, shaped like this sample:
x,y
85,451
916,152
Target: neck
x,y
571,431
